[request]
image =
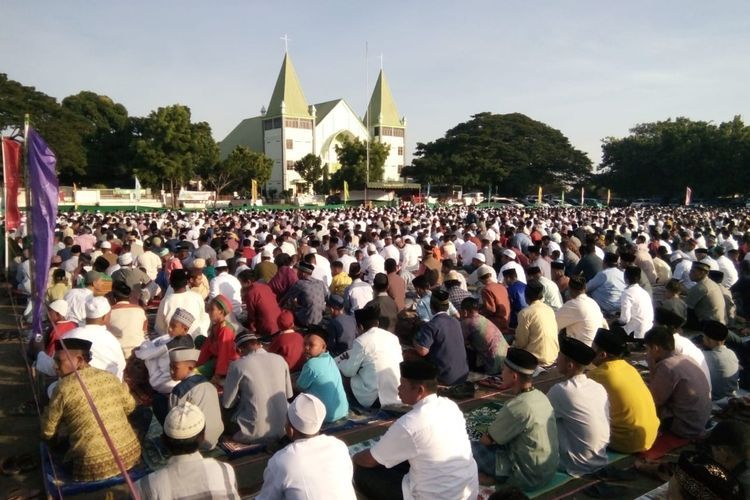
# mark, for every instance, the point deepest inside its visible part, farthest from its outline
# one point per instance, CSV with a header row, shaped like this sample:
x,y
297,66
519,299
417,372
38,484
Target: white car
x,y
507,202
474,198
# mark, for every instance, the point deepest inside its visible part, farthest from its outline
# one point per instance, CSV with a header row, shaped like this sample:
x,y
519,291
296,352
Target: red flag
x,y
688,195
12,177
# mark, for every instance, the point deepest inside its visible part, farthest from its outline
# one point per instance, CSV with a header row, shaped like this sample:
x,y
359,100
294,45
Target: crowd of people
x,y
266,326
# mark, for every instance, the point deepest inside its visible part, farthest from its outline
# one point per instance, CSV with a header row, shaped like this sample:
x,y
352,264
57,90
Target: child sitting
x,y
218,350
321,377
722,362
288,343
195,388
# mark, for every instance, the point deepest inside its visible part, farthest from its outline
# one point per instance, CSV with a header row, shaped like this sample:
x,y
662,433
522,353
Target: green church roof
x,y
382,106
248,133
289,91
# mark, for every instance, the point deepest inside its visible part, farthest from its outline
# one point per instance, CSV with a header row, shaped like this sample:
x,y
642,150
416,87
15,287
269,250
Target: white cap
x,y
106,244
125,259
509,253
184,421
484,269
221,263
97,307
242,260
480,257
59,306
311,250
266,254
371,248
306,414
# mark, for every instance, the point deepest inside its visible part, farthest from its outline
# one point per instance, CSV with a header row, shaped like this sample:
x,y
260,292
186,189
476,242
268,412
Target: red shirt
x,y
262,309
60,329
219,345
291,347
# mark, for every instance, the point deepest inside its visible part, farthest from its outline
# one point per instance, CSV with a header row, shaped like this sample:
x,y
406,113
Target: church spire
x,y
287,98
382,106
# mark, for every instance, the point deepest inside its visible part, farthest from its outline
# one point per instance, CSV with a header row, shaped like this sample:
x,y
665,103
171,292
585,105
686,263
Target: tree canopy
x,y
512,152
310,168
237,170
352,155
662,158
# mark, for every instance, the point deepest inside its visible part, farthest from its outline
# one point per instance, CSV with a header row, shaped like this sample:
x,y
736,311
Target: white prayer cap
x,y
184,421
371,248
221,263
266,254
97,307
106,244
306,414
242,260
176,355
509,253
125,259
484,270
480,257
59,306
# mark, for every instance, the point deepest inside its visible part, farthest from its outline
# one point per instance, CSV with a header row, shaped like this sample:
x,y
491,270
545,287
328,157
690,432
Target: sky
x,y
590,69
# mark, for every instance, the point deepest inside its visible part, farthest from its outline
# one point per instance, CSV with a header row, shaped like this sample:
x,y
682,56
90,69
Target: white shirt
x,y
582,414
346,260
433,438
322,270
190,301
150,262
467,251
76,299
375,265
682,273
391,252
155,355
685,346
581,317
357,295
309,469
410,256
106,351
730,272
227,285
519,270
636,311
373,366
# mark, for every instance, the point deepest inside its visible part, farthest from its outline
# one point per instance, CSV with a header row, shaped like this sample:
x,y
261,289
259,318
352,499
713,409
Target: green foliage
x,y
352,155
511,151
237,170
662,158
310,168
170,149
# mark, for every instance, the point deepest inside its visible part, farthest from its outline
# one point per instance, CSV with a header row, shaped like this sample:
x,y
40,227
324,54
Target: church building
x,y
290,128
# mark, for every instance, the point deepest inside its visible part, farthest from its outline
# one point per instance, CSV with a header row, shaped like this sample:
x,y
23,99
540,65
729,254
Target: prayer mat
x,y
234,449
357,447
479,419
664,443
59,484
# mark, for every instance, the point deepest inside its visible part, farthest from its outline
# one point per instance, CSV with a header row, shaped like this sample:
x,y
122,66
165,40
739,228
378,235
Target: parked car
x,y
503,201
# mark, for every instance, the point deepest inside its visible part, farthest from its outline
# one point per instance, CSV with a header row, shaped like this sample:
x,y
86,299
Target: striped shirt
x,y
208,479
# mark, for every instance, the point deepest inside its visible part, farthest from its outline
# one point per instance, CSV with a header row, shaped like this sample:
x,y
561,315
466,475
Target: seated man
x,y
187,474
516,294
372,364
537,327
441,341
88,456
260,381
431,437
680,391
637,310
581,410
580,316
722,362
485,339
682,344
520,447
632,413
342,328
313,466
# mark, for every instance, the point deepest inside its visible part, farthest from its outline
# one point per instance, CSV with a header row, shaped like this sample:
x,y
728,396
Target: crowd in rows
x,y
355,310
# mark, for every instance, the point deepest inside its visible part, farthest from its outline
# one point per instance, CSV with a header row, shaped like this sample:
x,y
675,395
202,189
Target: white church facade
x,y
290,128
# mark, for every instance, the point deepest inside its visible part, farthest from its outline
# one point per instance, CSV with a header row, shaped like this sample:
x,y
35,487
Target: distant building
x,y
289,129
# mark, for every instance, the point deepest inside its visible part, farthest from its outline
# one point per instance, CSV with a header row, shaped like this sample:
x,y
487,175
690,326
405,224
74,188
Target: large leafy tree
x,y
352,155
170,149
512,152
310,168
662,158
237,170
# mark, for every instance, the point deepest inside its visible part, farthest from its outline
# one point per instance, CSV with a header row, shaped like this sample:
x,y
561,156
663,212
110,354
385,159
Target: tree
x,y
310,168
511,151
352,155
236,171
170,149
662,158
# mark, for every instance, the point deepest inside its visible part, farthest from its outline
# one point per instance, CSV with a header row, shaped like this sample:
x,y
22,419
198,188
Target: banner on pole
x,y
254,191
346,191
137,189
12,182
539,196
582,197
609,196
44,191
688,195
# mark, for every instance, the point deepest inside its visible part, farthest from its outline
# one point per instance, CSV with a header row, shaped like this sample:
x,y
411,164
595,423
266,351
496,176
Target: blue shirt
x,y
443,337
606,289
321,377
517,296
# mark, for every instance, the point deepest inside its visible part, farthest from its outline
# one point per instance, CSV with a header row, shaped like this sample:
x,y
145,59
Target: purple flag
x,y
44,189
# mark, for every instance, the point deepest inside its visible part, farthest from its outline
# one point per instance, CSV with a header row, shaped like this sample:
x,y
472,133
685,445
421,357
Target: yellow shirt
x,y
339,283
537,332
632,412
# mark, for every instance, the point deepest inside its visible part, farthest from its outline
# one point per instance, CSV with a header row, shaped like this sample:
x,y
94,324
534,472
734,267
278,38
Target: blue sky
x,y
590,69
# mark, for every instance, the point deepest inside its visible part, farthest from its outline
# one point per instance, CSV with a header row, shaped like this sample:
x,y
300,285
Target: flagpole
x,y
29,228
5,214
367,100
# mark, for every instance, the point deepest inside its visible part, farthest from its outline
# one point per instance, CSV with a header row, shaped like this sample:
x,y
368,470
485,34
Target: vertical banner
x,y
12,177
688,195
346,191
539,196
44,190
137,189
254,191
582,197
609,196
562,196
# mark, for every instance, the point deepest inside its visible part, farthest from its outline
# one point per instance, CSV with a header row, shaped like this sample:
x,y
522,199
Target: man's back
x,y
706,299
262,309
318,467
537,332
442,336
388,312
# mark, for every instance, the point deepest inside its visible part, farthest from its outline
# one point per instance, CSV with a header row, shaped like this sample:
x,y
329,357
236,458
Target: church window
x,y
290,144
291,123
290,164
400,151
306,124
398,132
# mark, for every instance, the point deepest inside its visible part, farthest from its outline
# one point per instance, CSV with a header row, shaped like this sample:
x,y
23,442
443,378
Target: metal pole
x,y
367,98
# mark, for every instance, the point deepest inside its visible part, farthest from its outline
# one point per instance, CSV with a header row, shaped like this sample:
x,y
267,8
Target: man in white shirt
x,y
178,296
581,411
390,251
314,466
372,364
345,257
636,309
375,263
726,266
410,255
431,437
322,270
508,261
150,262
358,293
580,316
77,297
227,285
682,344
